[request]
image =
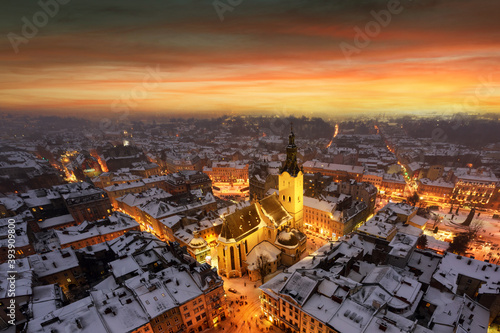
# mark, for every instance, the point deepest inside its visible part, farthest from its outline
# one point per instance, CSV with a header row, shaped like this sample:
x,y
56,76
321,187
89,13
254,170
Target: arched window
x,y
231,251
289,199
239,255
283,197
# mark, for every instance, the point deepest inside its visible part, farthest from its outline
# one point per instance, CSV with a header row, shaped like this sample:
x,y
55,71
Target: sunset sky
x,y
179,58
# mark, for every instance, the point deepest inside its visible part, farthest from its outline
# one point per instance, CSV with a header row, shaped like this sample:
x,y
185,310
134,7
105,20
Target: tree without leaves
x,y
261,264
475,228
436,218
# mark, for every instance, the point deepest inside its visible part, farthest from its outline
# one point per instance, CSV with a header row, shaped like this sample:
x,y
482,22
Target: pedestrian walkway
x,y
244,313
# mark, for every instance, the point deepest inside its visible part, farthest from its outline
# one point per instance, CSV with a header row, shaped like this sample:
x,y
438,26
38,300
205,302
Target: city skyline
x,y
214,58
195,225
295,166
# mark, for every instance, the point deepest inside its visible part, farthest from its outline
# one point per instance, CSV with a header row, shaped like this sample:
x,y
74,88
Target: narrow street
x,y
244,313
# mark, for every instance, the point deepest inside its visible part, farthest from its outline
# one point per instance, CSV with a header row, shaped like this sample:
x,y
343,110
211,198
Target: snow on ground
x,y
247,317
488,245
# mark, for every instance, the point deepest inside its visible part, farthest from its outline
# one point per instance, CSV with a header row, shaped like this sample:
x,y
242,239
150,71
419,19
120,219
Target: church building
x,y
275,221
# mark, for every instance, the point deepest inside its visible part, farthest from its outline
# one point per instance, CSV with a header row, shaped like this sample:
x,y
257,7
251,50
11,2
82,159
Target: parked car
x,y
232,290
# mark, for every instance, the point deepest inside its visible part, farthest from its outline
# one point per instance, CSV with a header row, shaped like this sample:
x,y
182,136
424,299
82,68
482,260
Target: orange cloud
x,y
429,58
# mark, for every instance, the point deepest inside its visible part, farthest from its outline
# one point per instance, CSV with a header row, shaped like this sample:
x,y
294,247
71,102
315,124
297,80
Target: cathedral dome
x,y
290,237
197,241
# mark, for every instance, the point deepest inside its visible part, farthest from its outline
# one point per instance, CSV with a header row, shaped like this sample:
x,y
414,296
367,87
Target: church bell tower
x,y
291,183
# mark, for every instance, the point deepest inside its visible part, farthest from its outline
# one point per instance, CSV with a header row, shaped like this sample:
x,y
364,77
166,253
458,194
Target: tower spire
x,y
290,165
291,137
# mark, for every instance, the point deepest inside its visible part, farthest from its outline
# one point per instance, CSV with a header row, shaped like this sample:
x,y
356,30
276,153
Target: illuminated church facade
x,y
272,227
